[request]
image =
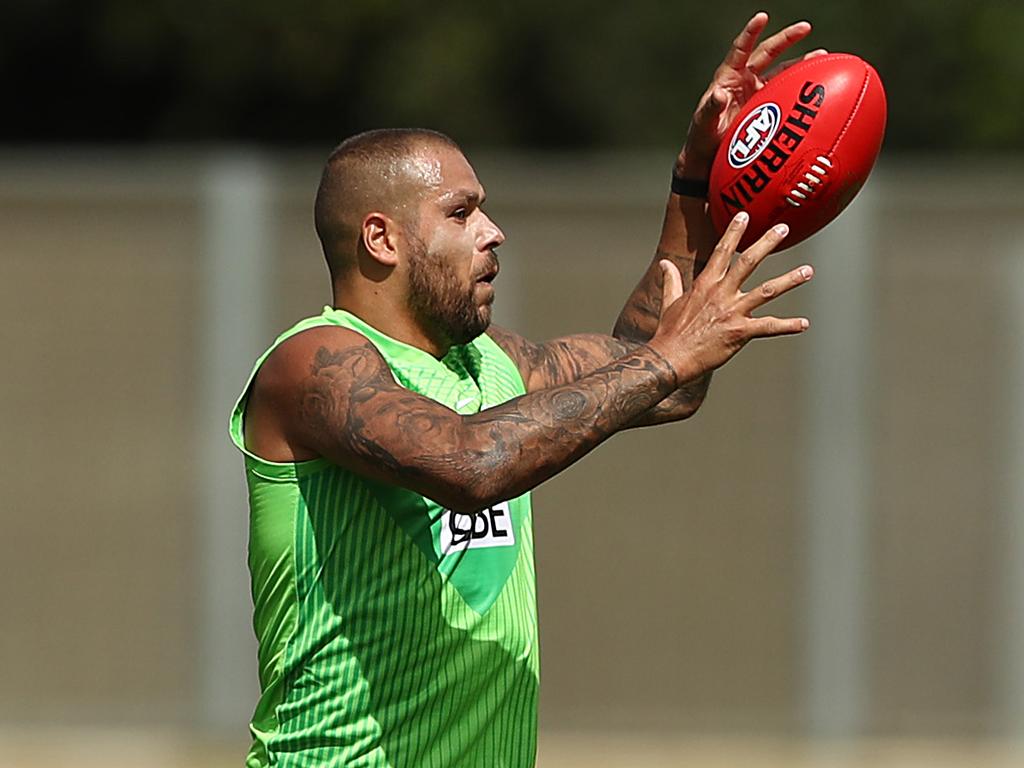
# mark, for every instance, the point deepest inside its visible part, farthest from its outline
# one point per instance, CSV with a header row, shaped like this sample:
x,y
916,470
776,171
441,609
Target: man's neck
x,y
391,320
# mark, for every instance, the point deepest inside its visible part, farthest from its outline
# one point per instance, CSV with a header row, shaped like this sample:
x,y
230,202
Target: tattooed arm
x,y
687,241
327,392
569,358
687,236
331,394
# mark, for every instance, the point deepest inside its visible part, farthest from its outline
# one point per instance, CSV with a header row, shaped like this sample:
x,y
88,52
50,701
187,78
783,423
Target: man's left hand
x,y
744,72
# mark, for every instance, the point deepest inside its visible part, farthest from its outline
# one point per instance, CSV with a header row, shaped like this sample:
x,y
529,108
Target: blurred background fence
x,y
830,552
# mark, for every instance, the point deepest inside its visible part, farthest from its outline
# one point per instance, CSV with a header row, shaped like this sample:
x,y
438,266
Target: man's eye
x,y
460,213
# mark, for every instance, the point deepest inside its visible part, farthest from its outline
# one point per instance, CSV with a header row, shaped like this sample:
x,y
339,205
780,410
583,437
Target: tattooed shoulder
x,y
339,377
526,355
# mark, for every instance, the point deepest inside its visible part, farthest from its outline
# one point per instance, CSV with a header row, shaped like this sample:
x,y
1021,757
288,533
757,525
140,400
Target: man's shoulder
x,y
511,343
293,358
319,365
523,353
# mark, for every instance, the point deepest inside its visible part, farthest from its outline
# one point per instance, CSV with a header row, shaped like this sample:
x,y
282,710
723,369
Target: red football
x,y
801,148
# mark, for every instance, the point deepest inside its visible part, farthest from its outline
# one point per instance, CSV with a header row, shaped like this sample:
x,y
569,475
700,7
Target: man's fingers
x,y
765,327
671,284
755,254
773,47
745,40
771,289
711,108
721,257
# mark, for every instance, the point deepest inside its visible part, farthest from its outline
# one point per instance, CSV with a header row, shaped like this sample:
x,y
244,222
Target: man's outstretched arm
x,y
350,410
327,392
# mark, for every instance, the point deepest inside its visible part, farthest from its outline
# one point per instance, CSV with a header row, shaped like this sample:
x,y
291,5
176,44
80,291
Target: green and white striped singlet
x,y
392,633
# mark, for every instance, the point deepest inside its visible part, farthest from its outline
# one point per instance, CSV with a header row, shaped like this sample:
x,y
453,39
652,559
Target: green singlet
x,y
392,632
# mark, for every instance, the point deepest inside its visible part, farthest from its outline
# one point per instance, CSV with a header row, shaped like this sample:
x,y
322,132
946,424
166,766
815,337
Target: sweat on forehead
x,y
390,151
383,167
424,169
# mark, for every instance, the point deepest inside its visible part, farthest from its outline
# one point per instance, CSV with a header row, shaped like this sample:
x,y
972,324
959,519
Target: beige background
x,y
670,561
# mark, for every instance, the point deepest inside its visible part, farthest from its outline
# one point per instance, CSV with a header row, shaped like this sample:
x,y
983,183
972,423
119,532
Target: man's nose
x,y
491,235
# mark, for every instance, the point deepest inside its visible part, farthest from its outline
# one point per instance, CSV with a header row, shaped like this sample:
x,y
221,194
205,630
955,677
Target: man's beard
x,y
440,303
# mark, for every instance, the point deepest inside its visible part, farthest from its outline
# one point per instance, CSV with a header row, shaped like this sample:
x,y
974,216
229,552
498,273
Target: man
x,y
392,441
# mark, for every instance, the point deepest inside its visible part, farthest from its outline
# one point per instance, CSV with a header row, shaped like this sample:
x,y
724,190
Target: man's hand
x,y
743,73
687,242
687,236
701,330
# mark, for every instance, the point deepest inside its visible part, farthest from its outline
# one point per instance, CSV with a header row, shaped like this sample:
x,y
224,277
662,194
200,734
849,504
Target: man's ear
x,y
379,234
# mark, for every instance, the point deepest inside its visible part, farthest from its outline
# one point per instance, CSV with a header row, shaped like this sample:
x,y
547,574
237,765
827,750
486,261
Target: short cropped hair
x,y
365,172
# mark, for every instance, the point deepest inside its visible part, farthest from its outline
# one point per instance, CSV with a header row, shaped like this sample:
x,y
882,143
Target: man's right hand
x,y
701,330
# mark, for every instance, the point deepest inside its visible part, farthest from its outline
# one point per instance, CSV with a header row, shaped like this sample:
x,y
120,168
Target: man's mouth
x,y
490,273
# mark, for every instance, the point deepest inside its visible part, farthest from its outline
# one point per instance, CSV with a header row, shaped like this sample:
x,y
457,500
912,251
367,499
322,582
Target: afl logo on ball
x,y
754,134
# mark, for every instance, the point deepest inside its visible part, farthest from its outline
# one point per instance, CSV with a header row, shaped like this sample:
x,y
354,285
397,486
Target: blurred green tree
x,y
532,73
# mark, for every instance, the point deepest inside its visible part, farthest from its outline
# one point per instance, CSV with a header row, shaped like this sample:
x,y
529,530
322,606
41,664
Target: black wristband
x,y
690,187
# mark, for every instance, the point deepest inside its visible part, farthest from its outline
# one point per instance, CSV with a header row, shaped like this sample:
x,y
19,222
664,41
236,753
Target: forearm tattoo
x,y
352,409
570,358
639,320
681,404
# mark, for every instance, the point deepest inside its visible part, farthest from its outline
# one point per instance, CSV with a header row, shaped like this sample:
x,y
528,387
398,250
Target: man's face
x,y
452,261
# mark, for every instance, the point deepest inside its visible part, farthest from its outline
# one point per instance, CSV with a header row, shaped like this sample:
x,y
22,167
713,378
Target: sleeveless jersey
x,y
392,632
